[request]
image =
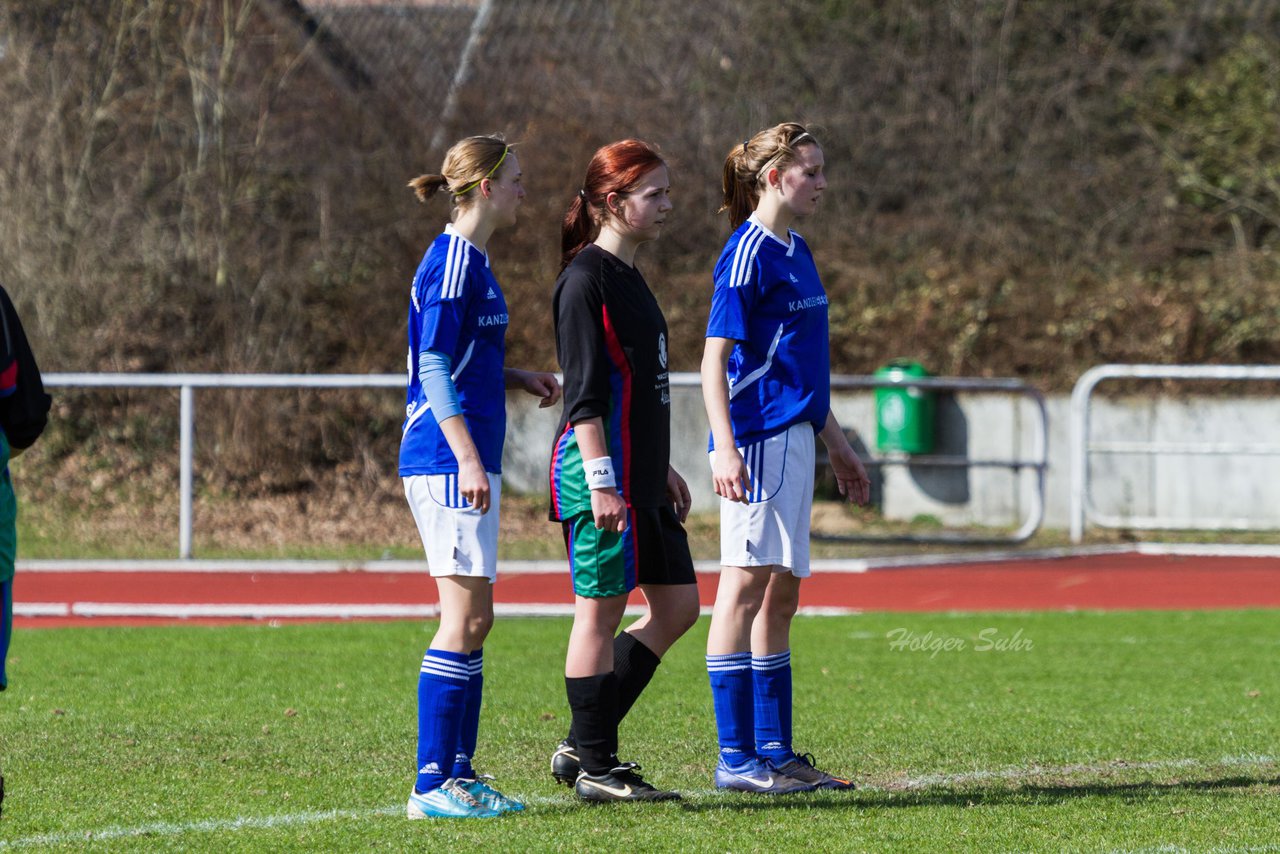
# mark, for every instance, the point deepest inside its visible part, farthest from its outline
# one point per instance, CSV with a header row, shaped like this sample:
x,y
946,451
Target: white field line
x,y
252,612
319,611
169,828
1208,550
41,609
559,567
1013,774
1034,772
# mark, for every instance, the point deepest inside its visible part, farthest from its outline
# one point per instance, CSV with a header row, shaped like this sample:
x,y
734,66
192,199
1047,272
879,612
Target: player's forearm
x,y
715,390
591,441
515,378
460,442
832,434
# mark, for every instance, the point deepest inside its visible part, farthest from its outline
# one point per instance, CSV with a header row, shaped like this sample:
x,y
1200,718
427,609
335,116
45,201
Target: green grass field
x,y
1112,731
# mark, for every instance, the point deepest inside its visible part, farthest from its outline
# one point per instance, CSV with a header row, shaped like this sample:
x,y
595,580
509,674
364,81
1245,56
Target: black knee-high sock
x,y
634,665
594,703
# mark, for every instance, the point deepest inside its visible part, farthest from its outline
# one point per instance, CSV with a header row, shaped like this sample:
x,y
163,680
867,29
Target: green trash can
x,y
904,416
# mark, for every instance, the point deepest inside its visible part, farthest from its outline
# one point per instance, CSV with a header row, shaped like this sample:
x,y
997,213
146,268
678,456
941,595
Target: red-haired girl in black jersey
x,y
612,485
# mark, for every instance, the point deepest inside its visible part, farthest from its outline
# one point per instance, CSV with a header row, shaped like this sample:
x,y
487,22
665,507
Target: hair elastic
x,y
488,174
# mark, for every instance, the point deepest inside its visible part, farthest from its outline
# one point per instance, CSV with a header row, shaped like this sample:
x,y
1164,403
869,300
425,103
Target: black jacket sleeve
x,y
580,344
24,412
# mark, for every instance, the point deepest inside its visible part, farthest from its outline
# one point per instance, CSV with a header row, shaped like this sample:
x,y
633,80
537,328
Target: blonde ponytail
x,y
466,164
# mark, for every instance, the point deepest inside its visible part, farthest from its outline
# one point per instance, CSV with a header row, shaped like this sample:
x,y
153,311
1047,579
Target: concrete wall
x,y
987,426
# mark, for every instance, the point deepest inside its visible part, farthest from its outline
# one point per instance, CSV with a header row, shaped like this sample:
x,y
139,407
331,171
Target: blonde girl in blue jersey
x,y
766,386
451,462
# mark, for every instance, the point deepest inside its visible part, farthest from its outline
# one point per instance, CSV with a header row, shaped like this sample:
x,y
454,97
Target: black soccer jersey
x,y
611,339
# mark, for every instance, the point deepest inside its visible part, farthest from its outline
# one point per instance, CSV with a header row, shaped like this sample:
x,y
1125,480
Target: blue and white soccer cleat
x,y
800,767
754,775
449,801
480,789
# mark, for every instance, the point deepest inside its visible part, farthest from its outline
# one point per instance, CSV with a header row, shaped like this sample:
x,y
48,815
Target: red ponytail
x,y
615,168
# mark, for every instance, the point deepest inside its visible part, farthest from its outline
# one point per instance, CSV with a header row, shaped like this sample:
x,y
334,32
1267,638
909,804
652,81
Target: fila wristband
x,y
599,473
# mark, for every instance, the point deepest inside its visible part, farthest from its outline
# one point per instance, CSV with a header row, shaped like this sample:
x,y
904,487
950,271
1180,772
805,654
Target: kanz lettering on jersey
x,y
486,320
806,303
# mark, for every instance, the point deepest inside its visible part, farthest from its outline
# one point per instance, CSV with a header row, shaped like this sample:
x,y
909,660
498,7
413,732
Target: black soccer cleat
x,y
619,784
565,765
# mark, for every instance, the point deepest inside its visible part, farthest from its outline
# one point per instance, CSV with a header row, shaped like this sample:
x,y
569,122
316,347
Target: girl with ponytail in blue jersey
x,y
451,462
766,385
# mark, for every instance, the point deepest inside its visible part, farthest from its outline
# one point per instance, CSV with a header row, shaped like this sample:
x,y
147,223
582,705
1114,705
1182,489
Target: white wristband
x,y
599,473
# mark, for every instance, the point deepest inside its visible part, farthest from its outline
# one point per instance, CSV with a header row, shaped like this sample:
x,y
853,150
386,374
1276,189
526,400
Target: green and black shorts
x,y
654,549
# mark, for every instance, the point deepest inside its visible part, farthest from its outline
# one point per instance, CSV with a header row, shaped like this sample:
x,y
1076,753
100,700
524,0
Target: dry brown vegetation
x,y
1017,188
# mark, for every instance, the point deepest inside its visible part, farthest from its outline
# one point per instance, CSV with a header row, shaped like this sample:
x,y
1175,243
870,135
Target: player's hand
x,y
609,510
730,474
678,493
473,484
851,475
543,385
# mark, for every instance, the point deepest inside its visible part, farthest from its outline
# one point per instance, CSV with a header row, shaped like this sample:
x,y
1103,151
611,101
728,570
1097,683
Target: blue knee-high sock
x,y
470,733
771,681
731,697
442,697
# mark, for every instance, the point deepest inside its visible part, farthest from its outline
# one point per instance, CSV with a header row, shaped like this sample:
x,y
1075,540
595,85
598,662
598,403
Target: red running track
x,y
1110,582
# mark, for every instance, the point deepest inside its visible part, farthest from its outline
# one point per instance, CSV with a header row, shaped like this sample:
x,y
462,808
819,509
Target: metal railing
x,y
1083,444
188,383
1038,462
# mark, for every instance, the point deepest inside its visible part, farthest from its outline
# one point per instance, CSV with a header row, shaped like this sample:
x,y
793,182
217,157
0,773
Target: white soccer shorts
x,y
457,538
773,529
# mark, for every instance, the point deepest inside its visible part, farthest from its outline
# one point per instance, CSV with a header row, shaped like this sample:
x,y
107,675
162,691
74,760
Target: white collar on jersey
x,y
791,245
453,232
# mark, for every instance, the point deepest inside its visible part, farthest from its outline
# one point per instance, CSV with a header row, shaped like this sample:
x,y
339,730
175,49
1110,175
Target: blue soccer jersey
x,y
456,308
769,299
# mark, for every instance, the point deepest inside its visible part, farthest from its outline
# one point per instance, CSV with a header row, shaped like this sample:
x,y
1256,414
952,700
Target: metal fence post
x,y
186,451
1080,449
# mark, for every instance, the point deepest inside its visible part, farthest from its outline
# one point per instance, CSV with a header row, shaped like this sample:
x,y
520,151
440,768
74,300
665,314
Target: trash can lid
x,y
903,367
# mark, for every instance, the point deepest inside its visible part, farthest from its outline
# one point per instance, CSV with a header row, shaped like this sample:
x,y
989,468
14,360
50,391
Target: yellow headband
x,y
488,174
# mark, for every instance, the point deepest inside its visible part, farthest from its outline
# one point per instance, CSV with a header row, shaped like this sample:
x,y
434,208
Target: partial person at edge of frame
x,y
613,489
24,413
451,462
766,385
